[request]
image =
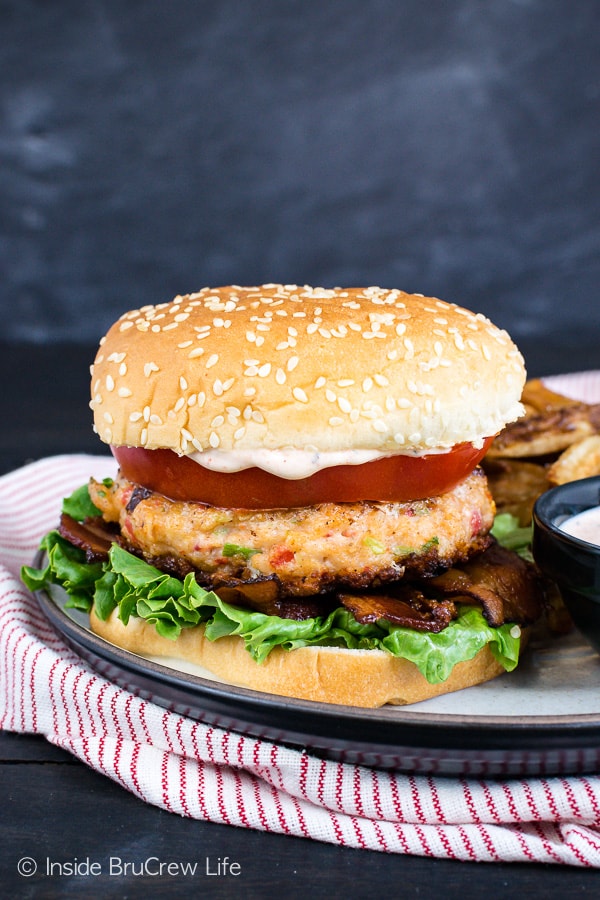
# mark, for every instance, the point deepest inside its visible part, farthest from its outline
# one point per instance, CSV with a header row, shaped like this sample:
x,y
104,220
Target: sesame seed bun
x,y
272,367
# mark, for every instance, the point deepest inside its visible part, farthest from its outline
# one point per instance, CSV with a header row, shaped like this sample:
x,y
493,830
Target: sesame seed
x,y
300,395
336,420
367,384
155,419
280,376
124,392
212,360
320,382
292,363
264,370
193,354
110,383
150,367
135,416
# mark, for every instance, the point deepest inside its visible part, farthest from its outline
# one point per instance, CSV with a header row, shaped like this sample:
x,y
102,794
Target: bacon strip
x,y
412,610
93,535
505,585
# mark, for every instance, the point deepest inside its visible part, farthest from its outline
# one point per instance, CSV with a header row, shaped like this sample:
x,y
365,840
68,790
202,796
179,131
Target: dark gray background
x,y
149,148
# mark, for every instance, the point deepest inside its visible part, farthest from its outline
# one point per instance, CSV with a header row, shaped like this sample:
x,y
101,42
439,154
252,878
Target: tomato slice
x,y
393,478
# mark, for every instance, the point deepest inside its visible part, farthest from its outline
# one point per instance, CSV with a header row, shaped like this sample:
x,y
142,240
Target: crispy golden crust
x,y
365,678
272,367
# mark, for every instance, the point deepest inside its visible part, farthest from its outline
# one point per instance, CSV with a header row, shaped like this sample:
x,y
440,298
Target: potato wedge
x,y
515,485
580,460
547,432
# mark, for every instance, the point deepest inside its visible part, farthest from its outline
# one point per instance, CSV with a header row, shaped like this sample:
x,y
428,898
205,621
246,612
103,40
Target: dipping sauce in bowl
x,y
585,526
566,548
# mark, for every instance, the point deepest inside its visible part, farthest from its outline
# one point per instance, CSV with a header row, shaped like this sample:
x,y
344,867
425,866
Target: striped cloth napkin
x,y
207,773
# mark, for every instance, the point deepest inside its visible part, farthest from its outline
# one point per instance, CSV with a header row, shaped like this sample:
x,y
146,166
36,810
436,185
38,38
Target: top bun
x,y
282,366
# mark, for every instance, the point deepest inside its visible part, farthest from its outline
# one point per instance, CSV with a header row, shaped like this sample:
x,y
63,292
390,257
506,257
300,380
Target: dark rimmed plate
x,y
543,719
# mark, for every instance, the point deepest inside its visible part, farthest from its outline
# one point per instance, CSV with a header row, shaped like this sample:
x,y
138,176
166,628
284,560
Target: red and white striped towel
x,y
207,773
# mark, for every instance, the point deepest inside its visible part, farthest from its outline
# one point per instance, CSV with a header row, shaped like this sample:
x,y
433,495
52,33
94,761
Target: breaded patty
x,y
307,550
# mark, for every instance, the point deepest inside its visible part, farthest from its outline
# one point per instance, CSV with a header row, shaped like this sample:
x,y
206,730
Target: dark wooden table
x,y
54,808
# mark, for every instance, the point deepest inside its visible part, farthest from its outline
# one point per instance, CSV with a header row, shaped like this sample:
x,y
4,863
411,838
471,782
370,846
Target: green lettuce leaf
x,y
79,505
510,534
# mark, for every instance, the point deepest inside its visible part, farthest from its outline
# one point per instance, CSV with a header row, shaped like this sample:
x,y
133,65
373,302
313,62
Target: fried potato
x,y
538,398
515,485
552,422
580,460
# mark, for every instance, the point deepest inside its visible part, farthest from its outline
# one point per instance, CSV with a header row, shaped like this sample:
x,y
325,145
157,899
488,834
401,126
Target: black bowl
x,y
570,562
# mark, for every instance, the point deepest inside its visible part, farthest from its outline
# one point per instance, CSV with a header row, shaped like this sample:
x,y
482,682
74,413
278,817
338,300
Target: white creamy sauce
x,y
291,464
585,526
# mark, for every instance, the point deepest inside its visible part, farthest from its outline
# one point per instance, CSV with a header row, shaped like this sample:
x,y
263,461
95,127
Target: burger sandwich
x,y
298,507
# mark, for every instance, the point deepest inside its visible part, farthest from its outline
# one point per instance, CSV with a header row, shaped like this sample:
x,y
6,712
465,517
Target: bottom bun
x,y
365,678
